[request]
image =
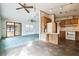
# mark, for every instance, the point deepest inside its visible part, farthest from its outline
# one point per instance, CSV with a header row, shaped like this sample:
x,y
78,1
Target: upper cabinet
x,y
64,23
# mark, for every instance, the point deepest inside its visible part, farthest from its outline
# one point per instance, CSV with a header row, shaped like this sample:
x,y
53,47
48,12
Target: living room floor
x,y
40,48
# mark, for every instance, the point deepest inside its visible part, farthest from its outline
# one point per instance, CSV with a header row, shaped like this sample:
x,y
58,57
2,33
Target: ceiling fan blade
x,y
26,10
29,7
23,7
21,4
24,4
19,8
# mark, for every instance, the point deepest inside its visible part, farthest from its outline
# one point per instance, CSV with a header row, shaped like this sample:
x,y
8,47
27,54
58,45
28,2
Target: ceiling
x,y
59,9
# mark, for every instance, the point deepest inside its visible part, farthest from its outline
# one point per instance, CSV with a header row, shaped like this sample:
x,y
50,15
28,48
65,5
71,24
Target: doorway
x,y
13,29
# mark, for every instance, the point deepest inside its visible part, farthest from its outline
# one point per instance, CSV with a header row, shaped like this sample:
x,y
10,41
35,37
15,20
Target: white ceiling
x,y
68,9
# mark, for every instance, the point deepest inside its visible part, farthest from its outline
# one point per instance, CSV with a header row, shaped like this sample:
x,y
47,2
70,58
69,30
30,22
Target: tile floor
x,y
40,48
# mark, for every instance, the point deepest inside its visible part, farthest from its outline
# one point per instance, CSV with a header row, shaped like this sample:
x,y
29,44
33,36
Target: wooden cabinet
x,y
44,21
77,35
53,38
69,22
75,21
62,37
62,24
62,34
77,38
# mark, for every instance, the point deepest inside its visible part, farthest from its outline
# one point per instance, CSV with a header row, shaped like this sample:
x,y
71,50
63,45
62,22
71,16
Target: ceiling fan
x,y
24,6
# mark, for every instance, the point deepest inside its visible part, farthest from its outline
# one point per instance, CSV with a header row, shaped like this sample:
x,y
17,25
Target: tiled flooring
x,y
39,48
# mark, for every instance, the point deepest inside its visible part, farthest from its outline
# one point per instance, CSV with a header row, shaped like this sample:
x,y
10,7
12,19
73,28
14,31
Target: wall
x,y
0,10
9,13
0,21
0,27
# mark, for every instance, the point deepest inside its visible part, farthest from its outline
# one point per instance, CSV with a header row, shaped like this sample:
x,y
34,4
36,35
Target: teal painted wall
x,y
0,27
9,13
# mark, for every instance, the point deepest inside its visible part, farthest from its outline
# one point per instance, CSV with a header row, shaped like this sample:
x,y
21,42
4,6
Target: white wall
x,y
0,21
0,27
9,13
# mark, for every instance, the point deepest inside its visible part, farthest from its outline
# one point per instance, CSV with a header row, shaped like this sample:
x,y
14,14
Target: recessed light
x,y
61,8
50,10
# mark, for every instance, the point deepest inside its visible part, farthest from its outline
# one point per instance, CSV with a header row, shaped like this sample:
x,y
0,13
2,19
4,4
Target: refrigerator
x,y
51,27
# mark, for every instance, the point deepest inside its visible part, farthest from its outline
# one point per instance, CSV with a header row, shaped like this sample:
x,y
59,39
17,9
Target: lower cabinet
x,y
43,37
77,36
53,38
62,37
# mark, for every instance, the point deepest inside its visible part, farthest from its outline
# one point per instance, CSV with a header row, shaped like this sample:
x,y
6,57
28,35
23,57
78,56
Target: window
x,y
13,29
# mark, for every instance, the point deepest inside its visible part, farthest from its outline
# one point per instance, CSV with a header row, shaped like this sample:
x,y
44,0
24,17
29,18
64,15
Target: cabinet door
x,y
66,22
62,24
70,21
75,21
62,35
77,36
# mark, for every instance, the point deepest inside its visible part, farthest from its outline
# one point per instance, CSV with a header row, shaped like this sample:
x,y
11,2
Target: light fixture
x,y
50,10
61,8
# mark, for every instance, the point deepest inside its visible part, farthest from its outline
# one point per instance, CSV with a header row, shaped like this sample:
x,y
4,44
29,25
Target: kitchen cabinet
x,y
44,21
62,24
77,35
66,22
61,37
75,21
44,37
53,38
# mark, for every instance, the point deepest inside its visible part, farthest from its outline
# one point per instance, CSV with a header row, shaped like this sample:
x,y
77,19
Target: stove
x,y
70,35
